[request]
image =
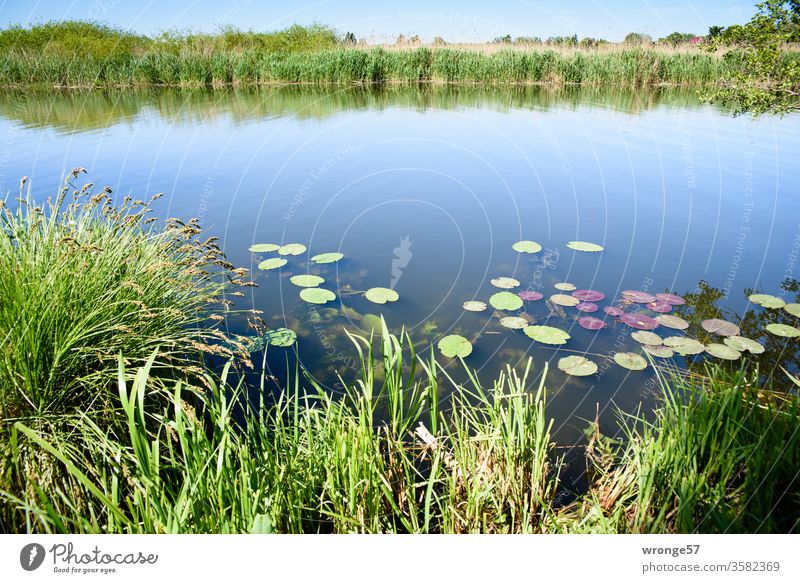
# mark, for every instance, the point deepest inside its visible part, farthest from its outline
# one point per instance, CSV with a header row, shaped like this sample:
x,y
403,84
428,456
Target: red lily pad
x,y
530,296
613,311
639,321
659,306
587,307
638,297
591,323
588,295
671,299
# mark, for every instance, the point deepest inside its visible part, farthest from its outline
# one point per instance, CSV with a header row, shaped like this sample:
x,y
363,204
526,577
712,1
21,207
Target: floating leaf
x,y
530,296
767,301
659,351
741,344
587,307
783,330
674,322
317,295
639,321
282,337
584,246
526,247
644,337
547,334
381,295
630,360
684,346
292,249
505,301
591,323
306,280
588,295
565,286
638,297
263,248
671,299
273,263
455,345
564,300
473,306
659,306
513,322
722,351
793,309
327,257
720,327
614,311
505,282
577,366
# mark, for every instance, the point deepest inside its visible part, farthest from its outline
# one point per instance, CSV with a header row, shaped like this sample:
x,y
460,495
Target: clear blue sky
x,y
464,20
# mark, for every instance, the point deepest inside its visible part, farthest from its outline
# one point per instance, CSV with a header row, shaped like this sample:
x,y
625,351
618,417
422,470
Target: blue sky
x,y
456,21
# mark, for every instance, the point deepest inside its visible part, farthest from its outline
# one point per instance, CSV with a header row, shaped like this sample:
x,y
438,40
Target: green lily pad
x,y
505,301
644,337
263,248
306,280
720,327
327,257
723,351
547,334
659,351
282,337
292,249
381,295
513,322
565,286
684,346
455,345
564,300
317,295
670,321
767,301
584,246
783,330
741,344
273,263
505,282
526,247
630,360
577,366
474,306
793,309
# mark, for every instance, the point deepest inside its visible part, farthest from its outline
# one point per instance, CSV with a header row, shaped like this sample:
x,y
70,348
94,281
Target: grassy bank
x,y
85,55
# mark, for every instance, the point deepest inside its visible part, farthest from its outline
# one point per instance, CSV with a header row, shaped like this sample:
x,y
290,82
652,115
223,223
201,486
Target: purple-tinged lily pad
x,y
591,323
588,295
587,307
659,306
639,321
671,299
638,297
613,311
529,295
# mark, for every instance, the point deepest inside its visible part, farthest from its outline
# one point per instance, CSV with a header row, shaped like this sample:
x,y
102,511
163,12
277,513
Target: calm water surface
x,y
426,190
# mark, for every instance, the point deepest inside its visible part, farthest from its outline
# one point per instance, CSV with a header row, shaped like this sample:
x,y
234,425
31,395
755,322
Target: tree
x,y
638,38
768,77
349,39
715,31
439,42
677,38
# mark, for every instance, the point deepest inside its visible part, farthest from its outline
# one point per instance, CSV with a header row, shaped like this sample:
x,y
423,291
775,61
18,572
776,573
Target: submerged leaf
x,y
273,263
317,295
306,280
577,366
547,334
505,301
526,247
455,345
584,246
282,337
630,360
381,295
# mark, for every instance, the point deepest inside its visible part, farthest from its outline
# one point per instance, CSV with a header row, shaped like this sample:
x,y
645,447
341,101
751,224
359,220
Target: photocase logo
x,y
31,556
402,255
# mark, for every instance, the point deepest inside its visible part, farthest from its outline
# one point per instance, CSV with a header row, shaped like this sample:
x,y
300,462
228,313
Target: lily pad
x,y
273,263
263,248
659,306
639,321
526,247
547,334
381,295
793,309
584,246
530,296
644,337
317,295
720,327
327,257
588,295
282,337
723,351
306,280
614,311
513,322
684,346
671,299
741,344
565,286
630,360
587,307
638,297
505,282
767,301
292,249
659,351
473,306
591,323
505,301
564,300
455,345
674,322
783,330
577,366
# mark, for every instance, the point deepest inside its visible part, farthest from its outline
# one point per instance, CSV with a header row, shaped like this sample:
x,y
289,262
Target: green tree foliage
x,y
677,38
